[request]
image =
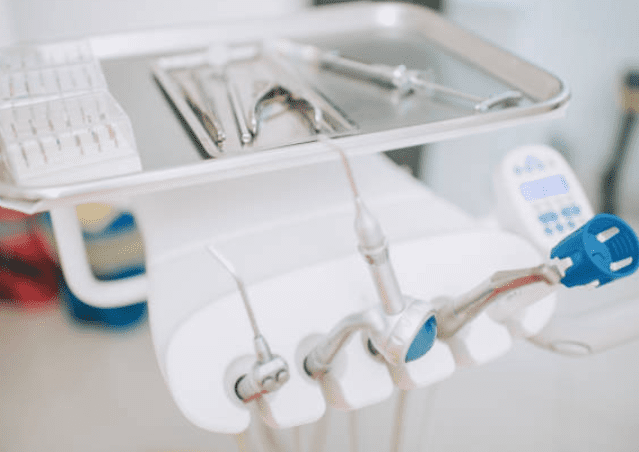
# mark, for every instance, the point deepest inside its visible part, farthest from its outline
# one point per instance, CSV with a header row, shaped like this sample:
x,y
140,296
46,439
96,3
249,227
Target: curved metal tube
x,y
452,316
319,360
240,287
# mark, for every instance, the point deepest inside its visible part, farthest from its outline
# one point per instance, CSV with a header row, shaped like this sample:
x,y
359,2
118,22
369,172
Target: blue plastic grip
x,y
600,250
424,340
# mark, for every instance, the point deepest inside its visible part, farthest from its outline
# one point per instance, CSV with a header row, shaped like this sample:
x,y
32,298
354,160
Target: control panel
x,y
539,196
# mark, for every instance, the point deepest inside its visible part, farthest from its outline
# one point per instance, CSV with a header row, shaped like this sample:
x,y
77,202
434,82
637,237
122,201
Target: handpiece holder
x,y
602,250
269,373
399,338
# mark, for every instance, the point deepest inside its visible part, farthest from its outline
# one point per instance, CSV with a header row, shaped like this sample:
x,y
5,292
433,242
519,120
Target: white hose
x,y
353,424
397,435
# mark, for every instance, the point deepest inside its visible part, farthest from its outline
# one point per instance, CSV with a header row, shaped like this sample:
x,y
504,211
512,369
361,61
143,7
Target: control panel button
x,y
548,231
533,163
559,227
572,211
548,217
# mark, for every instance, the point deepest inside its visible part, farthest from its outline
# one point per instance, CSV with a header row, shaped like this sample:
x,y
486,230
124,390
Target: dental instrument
x,y
267,92
270,372
404,329
238,111
602,250
172,89
216,129
206,115
273,81
398,78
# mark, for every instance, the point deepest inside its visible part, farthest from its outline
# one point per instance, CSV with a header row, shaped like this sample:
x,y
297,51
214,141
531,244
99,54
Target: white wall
x,y
6,25
590,45
36,20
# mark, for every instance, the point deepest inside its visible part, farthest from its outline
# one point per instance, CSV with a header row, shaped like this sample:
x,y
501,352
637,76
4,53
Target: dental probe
x,y
270,372
602,250
395,77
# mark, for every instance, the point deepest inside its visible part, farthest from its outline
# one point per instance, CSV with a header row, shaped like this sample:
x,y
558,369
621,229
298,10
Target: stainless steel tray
x,y
385,33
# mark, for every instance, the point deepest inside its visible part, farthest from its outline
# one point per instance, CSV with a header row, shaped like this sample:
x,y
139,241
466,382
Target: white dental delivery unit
x,y
289,266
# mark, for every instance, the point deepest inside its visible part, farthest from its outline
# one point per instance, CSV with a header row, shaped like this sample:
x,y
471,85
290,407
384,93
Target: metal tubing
x,y
319,360
452,316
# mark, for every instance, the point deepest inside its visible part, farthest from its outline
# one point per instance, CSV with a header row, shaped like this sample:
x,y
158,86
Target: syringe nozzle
x,y
369,232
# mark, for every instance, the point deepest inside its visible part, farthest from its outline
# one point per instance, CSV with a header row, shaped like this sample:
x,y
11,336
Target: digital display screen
x,y
542,188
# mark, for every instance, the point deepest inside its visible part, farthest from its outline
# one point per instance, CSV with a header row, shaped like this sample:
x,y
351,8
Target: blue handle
x,y
603,249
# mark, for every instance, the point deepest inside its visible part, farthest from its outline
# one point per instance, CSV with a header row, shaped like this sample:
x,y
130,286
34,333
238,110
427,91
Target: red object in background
x,y
29,275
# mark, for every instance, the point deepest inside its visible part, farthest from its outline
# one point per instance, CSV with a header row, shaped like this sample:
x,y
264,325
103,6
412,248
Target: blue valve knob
x,y
423,341
603,249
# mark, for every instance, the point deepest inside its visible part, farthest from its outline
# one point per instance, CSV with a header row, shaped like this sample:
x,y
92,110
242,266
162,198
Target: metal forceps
x,y
266,92
399,78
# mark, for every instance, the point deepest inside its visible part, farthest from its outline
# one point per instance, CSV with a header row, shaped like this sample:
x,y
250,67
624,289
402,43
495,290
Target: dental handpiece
x,y
372,244
402,329
602,250
270,371
454,314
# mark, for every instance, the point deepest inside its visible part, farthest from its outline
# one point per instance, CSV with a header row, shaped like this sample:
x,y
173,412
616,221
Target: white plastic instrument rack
x,y
58,122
